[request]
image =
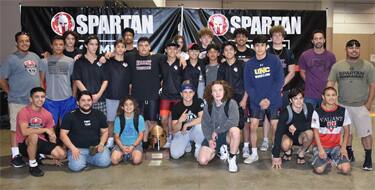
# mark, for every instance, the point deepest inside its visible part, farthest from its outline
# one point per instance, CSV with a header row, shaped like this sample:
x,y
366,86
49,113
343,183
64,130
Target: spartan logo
x,y
31,67
62,22
36,123
218,24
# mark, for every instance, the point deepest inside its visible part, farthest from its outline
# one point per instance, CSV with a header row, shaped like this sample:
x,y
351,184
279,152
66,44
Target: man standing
x,y
356,86
241,36
18,75
315,65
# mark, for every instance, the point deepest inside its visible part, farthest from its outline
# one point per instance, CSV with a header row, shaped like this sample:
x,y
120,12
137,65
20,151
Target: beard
x,y
84,109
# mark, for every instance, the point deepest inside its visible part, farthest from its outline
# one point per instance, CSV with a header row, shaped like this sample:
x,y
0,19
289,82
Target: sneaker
x,y
39,159
252,158
36,171
232,164
18,162
245,152
264,146
224,154
367,166
110,143
188,147
168,143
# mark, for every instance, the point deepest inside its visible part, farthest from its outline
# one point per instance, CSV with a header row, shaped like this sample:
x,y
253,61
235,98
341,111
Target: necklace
x,y
278,54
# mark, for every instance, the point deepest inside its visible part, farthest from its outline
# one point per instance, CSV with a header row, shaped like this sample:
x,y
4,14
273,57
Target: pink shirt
x,y
34,119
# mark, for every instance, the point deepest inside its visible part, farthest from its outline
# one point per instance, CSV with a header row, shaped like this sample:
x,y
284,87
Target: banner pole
x,y
182,21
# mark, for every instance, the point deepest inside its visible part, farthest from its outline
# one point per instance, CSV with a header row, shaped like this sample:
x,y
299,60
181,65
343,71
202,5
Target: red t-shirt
x,y
34,119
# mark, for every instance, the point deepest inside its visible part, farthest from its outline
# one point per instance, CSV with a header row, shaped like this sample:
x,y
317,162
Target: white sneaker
x,y
264,146
224,154
252,158
110,143
188,147
232,164
245,152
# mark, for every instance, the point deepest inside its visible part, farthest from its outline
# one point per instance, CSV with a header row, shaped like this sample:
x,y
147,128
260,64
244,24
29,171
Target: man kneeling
x,y
34,125
84,131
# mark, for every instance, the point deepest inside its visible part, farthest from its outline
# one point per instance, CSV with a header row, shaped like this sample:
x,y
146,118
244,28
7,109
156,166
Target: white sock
x,y
110,140
15,151
33,163
254,151
265,139
246,144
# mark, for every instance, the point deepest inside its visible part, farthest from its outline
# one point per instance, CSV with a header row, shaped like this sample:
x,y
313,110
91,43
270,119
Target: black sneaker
x,y
351,156
39,159
36,171
18,162
367,165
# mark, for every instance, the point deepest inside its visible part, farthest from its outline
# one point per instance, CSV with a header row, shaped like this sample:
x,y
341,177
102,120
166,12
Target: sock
x,y
246,144
254,151
368,155
349,148
33,163
15,151
145,145
265,139
231,155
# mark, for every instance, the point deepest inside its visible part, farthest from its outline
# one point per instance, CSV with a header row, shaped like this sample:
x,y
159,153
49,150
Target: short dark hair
x,y
81,93
128,29
229,43
143,39
74,34
36,89
18,34
353,42
87,40
57,37
329,88
213,46
241,31
119,41
294,92
318,31
260,39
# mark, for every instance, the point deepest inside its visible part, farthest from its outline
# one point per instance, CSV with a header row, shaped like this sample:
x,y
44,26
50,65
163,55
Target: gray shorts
x,y
138,148
333,156
361,120
112,106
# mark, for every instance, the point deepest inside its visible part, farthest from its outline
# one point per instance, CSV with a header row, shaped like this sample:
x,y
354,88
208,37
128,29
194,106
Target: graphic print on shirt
x,y
31,67
142,65
36,123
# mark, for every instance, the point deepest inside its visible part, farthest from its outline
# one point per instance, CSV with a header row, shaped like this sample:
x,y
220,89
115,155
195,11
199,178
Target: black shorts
x,y
294,138
149,109
272,113
221,140
43,147
242,120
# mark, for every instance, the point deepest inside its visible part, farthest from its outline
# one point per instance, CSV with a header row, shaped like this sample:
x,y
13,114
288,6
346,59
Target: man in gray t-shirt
x,y
59,69
355,78
19,73
213,63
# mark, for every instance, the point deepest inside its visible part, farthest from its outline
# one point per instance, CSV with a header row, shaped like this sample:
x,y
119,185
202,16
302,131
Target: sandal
x,y
301,159
287,157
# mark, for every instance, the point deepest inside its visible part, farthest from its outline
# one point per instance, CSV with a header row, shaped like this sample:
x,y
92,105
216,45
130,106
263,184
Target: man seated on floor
x,y
35,132
84,132
328,120
293,128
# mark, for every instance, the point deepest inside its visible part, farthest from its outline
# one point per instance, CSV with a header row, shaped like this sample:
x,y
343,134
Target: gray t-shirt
x,y
211,73
59,71
22,71
353,81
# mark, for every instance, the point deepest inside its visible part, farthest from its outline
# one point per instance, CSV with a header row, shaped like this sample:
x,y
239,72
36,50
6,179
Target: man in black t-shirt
x,y
84,132
244,53
293,128
146,76
186,122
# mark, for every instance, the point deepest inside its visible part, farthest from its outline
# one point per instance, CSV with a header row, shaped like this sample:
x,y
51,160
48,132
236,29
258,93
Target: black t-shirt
x,y
233,74
195,73
172,78
92,75
286,58
146,75
71,54
134,50
84,129
299,121
245,55
118,73
192,112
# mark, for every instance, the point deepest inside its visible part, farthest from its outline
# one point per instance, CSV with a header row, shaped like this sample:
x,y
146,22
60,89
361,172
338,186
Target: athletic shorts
x,y
149,109
43,147
112,106
166,106
13,111
272,113
58,109
361,120
138,148
242,120
101,106
333,156
221,140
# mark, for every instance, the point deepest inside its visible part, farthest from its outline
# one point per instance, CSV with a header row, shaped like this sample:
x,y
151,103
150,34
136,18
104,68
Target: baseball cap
x,y
194,46
187,86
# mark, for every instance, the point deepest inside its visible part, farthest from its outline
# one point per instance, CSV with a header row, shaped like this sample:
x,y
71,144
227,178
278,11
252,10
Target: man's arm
x,y
371,96
66,140
290,75
195,121
26,131
4,85
302,73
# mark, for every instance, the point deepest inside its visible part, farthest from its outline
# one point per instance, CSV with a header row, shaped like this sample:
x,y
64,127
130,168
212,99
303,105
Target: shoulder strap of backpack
x,y
226,107
305,111
122,123
290,114
209,108
135,122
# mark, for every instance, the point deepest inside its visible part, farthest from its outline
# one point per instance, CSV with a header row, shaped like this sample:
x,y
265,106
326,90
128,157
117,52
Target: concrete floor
x,y
185,174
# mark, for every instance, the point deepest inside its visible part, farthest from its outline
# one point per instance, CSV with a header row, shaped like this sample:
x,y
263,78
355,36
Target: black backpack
x,y
290,113
226,108
123,122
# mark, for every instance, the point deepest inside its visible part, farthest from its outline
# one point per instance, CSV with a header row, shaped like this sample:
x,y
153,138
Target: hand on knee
x,y
319,170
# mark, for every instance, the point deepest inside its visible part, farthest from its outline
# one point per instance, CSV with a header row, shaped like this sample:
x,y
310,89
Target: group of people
x,y
99,109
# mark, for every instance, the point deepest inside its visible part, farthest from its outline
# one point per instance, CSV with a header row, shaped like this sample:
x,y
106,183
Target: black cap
x,y
172,43
187,86
353,42
194,46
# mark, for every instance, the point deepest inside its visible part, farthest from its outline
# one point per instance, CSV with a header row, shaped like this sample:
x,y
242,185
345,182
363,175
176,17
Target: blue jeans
x,y
100,159
315,102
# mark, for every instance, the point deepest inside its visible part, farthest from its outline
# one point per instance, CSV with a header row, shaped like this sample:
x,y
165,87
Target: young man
x,y
263,79
20,73
36,133
84,132
59,100
232,72
186,122
241,36
71,45
145,72
171,72
118,73
315,65
328,120
128,38
212,66
195,70
356,86
205,38
293,128
89,74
